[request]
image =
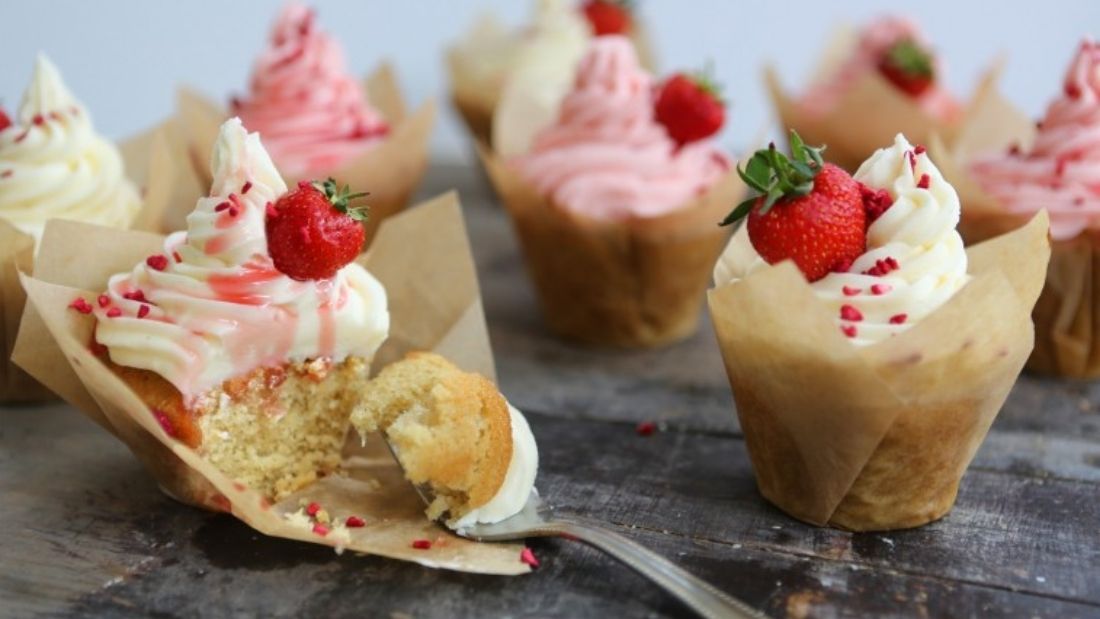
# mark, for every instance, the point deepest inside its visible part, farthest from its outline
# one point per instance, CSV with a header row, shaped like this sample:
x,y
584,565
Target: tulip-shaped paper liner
x,y
877,437
1067,315
637,282
389,170
870,112
158,181
423,259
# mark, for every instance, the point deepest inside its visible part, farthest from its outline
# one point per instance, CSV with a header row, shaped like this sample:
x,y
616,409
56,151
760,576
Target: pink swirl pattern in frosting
x,y
213,306
312,114
874,40
1061,172
606,157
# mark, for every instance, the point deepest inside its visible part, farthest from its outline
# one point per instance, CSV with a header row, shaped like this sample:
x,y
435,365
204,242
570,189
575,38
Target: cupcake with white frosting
x,y
53,164
867,350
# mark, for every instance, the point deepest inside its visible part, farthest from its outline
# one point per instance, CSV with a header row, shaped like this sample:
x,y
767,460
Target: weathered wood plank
x,y
95,536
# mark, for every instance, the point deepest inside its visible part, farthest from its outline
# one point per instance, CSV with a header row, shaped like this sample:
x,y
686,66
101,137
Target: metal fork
x,y
537,519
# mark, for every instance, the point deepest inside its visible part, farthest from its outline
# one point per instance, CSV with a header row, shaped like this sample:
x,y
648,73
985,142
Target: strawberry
x,y
690,107
908,66
5,121
312,231
608,16
811,212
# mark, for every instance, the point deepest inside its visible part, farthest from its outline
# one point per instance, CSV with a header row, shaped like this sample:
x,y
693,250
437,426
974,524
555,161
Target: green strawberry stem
x,y
910,59
706,80
776,176
342,197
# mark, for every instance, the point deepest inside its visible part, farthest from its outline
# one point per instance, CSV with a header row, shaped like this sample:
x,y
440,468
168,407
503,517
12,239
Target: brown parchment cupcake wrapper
x,y
870,113
390,170
1067,314
157,179
422,257
877,437
634,283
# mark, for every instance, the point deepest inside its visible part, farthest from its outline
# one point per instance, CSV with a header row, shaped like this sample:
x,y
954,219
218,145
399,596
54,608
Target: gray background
x,y
124,58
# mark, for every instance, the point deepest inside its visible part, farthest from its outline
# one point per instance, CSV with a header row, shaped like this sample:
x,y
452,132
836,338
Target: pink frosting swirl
x,y
312,114
606,157
875,39
1061,173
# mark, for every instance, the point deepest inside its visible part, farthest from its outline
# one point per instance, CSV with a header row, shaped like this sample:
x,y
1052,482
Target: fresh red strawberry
x,y
690,107
811,212
608,16
908,66
312,231
5,121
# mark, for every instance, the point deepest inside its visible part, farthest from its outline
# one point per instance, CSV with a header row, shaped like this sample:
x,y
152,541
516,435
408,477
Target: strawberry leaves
x,y
342,197
775,176
910,59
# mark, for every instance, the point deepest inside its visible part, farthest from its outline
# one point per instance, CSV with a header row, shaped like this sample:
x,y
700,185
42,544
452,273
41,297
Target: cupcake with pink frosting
x,y
318,120
884,79
1053,165
616,201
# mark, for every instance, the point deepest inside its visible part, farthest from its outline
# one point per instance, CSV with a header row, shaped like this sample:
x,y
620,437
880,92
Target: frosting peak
x,y
1061,172
313,114
606,156
54,165
213,306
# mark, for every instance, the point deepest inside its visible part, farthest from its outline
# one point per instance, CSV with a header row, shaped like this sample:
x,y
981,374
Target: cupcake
x,y
840,307
52,165
456,435
615,202
533,66
883,79
317,120
1053,166
246,342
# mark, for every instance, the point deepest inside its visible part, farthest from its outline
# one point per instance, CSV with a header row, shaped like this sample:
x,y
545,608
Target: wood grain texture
x,y
86,531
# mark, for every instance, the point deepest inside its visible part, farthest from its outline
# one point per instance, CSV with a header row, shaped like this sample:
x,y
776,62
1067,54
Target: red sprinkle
x,y
22,136
1014,149
422,544
81,305
176,255
528,557
919,149
246,187
875,201
354,522
912,160
882,267
134,295
849,330
645,428
157,262
898,319
924,181
313,508
103,300
221,207
233,212
1072,91
114,312
235,103
6,173
850,291
320,529
143,311
165,422
38,119
881,288
849,312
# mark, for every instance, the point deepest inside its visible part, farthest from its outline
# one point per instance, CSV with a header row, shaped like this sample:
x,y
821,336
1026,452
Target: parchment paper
x,y
421,256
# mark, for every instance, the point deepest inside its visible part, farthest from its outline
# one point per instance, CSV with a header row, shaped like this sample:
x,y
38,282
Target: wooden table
x,y
85,531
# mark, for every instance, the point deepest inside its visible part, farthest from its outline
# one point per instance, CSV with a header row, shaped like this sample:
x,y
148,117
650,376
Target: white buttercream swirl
x,y
54,165
519,481
215,306
917,231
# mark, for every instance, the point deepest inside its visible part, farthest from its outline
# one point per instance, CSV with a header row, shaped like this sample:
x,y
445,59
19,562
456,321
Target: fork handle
x,y
699,595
